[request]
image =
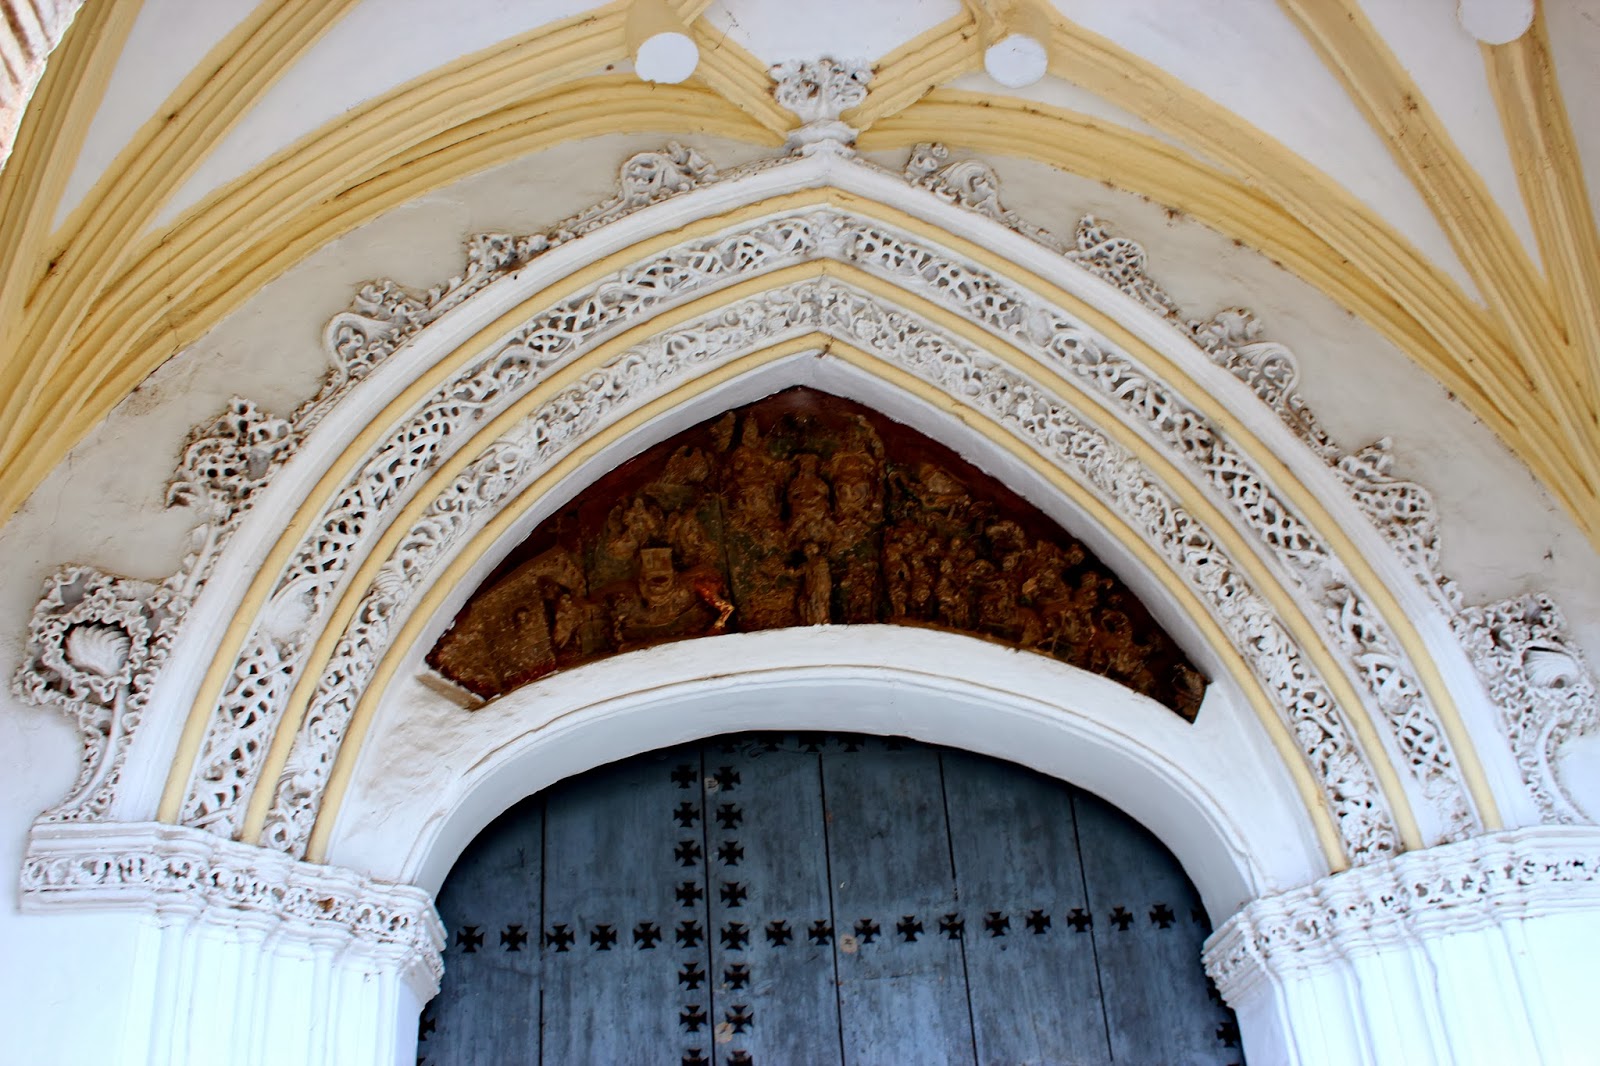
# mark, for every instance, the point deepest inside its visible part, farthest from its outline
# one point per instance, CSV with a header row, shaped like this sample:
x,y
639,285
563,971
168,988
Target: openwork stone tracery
x,y
803,509
234,456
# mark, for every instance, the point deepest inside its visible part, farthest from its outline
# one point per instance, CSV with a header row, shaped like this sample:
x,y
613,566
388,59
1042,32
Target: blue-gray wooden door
x,y
778,899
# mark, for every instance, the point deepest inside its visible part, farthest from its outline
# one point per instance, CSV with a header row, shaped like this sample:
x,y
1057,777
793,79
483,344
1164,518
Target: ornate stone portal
x,y
802,509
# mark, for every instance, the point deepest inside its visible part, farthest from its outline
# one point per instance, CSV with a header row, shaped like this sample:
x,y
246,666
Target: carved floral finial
x,y
818,92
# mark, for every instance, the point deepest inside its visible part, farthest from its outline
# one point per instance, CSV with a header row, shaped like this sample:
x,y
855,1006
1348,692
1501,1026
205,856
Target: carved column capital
x,y
1420,895
178,873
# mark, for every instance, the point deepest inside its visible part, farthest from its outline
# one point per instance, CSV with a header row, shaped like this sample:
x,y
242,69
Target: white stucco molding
x,y
1453,888
248,468
1479,951
177,873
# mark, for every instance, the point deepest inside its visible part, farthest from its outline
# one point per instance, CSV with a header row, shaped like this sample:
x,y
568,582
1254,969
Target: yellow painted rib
x,y
1538,131
1446,332
47,146
1460,201
99,232
1355,232
1144,165
339,780
215,277
319,166
740,79
919,66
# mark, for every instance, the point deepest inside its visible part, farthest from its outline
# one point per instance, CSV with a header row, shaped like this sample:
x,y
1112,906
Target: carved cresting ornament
x,y
802,509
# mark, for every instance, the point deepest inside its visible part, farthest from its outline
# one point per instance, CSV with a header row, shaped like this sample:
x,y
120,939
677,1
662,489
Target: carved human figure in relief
x,y
667,604
811,534
857,518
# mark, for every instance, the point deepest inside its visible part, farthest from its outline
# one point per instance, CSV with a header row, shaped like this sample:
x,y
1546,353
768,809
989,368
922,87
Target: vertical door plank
x,y
1030,959
487,1009
619,843
902,990
772,970
1149,928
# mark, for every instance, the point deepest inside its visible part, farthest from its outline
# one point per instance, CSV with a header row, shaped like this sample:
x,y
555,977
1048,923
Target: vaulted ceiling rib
x,y
87,312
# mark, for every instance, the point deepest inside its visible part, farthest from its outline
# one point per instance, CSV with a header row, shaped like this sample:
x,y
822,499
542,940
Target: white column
x,y
1481,951
238,954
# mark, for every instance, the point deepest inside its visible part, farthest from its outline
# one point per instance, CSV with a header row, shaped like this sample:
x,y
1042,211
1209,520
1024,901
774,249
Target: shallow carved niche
x,y
802,509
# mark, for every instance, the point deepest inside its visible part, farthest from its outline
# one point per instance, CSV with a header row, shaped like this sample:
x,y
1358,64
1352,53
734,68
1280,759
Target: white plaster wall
x,y
1574,28
865,29
1519,990
168,39
1250,58
377,46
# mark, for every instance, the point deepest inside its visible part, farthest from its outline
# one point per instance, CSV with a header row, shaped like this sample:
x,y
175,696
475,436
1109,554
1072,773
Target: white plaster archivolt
x,y
251,707
1042,419
229,460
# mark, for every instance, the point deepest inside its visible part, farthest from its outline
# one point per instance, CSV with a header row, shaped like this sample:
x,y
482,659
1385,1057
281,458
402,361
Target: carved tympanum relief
x,y
803,509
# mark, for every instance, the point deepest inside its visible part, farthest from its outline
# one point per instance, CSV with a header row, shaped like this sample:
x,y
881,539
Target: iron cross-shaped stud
x,y
512,937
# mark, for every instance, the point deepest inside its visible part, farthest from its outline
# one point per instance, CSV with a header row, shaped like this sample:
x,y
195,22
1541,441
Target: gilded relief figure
x,y
811,535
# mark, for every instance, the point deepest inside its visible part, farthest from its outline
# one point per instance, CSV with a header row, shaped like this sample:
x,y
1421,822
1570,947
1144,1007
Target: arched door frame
x,y
1346,554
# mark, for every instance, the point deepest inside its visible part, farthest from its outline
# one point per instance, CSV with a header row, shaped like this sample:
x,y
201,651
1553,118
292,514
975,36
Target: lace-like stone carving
x,y
97,640
505,469
385,314
1544,689
150,867
1025,409
818,92
94,646
1373,652
260,683
1462,886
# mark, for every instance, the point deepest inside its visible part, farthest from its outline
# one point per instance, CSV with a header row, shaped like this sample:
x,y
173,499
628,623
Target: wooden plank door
x,y
769,899
902,990
1031,972
1149,928
774,990
624,915
488,1009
